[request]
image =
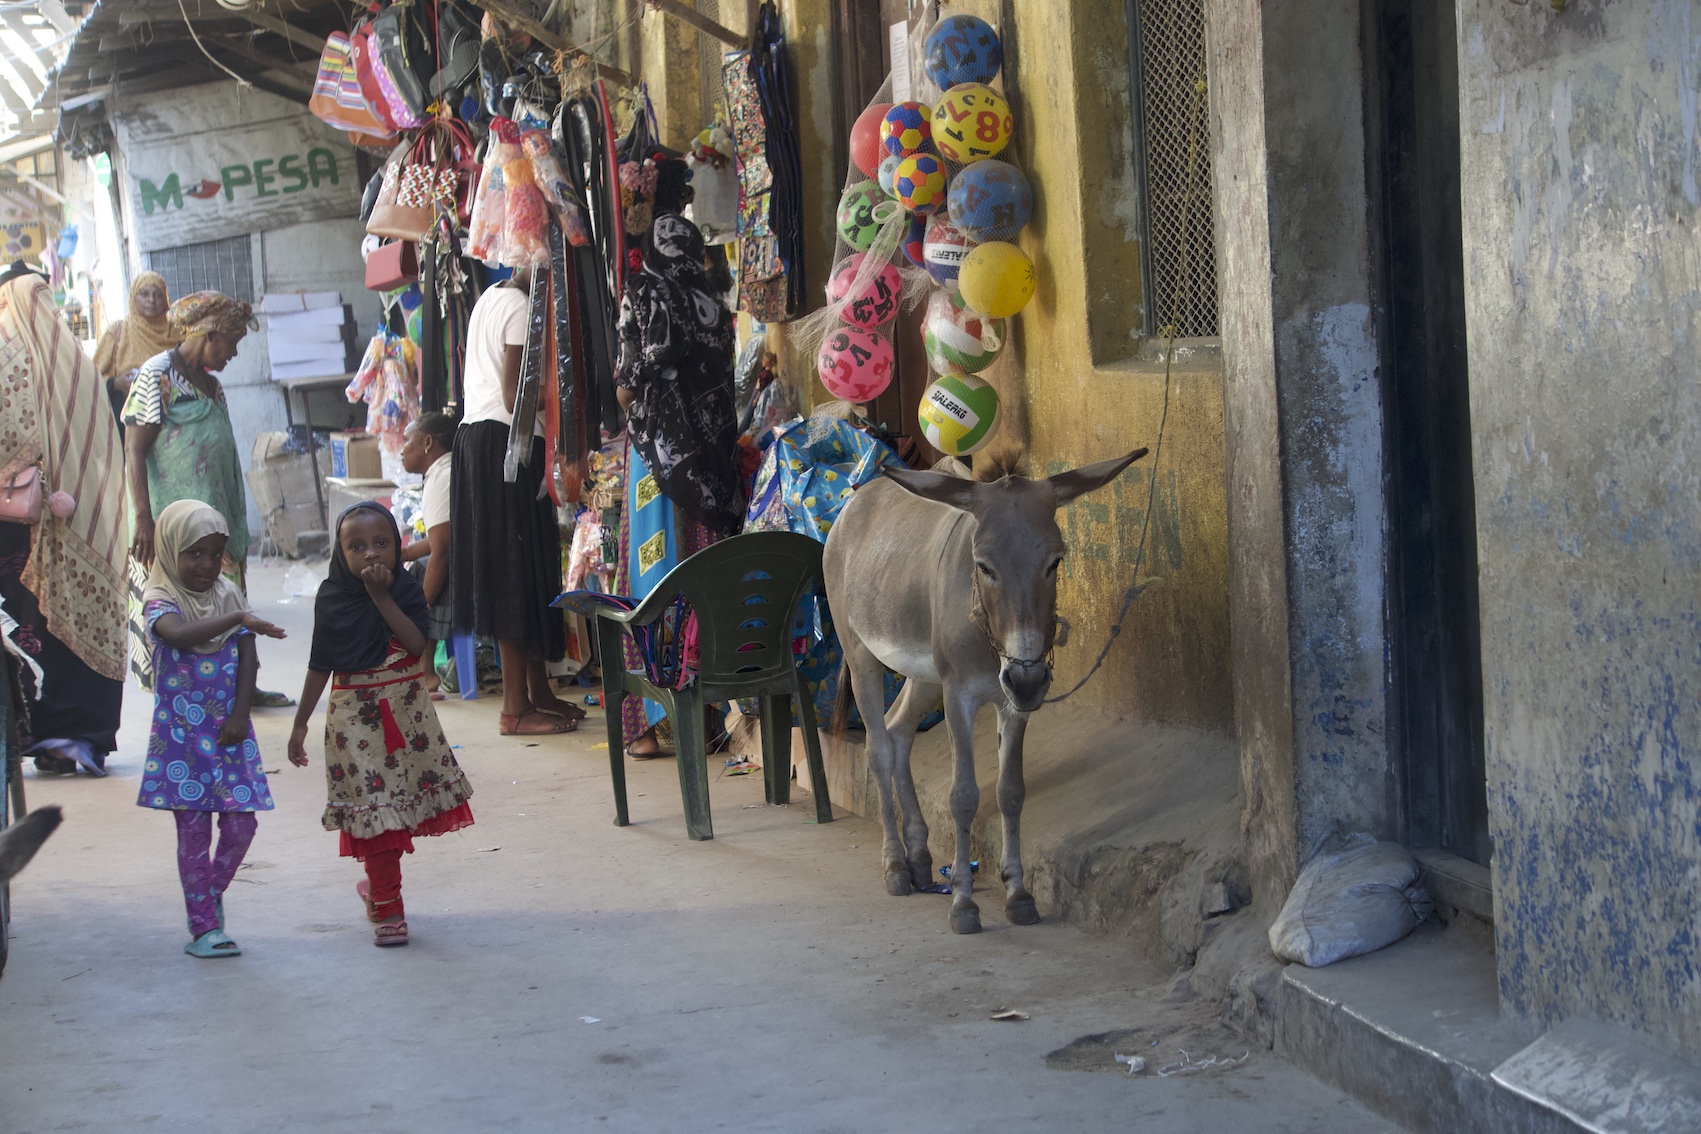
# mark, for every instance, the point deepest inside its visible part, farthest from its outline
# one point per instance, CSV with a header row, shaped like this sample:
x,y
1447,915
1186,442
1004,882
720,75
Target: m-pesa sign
x,y
211,162
264,177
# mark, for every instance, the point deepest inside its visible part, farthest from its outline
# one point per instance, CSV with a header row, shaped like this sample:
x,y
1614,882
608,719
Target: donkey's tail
x,y
842,702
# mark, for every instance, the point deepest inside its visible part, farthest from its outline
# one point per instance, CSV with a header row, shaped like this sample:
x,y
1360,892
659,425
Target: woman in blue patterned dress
x,y
202,758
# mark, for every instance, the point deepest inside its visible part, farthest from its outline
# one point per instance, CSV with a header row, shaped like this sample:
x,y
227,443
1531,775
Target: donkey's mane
x,y
999,460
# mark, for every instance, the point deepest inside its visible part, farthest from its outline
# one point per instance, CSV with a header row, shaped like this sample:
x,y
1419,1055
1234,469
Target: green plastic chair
x,y
744,590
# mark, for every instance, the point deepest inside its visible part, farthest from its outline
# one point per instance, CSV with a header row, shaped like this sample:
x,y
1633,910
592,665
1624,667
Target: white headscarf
x,y
178,527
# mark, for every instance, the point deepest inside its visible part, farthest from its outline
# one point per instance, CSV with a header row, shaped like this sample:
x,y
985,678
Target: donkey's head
x,y
1017,549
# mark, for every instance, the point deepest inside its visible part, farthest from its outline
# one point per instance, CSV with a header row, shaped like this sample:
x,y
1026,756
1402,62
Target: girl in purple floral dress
x,y
202,758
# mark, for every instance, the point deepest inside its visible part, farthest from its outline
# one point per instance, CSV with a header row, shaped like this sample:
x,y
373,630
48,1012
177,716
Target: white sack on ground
x,y
1349,902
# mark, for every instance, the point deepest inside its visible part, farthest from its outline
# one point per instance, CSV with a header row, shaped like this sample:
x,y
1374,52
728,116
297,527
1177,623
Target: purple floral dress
x,y
186,770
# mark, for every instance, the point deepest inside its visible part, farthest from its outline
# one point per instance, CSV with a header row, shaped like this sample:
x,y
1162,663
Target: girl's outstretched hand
x,y
258,625
298,746
378,579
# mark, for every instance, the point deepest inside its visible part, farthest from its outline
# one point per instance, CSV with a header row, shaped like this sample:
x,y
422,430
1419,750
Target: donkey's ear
x,y
1078,482
941,487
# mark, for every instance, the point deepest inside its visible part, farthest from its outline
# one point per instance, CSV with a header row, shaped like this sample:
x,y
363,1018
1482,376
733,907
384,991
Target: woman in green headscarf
x,y
179,444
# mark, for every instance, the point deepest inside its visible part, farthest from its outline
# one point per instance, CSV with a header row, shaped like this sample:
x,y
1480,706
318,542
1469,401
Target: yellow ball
x,y
997,279
972,122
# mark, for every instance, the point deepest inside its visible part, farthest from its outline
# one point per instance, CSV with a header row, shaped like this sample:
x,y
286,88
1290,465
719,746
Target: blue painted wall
x,y
1582,196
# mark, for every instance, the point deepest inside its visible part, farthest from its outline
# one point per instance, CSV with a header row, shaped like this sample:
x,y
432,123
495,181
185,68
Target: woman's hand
x,y
142,547
378,579
258,625
298,746
234,730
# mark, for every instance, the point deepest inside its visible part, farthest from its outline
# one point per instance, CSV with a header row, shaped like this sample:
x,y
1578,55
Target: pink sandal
x,y
390,933
364,889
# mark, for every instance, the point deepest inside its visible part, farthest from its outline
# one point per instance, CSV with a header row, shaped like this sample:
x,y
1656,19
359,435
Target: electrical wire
x,y
186,23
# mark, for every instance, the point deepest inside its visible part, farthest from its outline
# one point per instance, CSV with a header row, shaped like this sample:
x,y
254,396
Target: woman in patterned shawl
x,y
62,579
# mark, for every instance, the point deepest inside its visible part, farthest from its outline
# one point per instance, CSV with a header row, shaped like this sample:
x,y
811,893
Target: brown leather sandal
x,y
534,723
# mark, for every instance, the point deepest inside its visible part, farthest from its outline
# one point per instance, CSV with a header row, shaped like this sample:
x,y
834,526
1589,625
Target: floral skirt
x,y
388,769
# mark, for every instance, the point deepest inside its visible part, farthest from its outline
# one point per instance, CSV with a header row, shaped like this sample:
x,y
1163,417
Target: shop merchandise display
x,y
931,211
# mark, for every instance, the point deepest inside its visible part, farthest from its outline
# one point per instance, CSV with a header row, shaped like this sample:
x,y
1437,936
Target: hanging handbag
x,y
436,171
325,102
360,55
402,89
392,266
20,497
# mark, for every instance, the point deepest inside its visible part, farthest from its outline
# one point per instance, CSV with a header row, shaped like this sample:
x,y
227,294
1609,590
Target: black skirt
x,y
506,567
75,702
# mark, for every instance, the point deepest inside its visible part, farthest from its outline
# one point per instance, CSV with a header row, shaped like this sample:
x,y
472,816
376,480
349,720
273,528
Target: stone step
x,y
1414,1032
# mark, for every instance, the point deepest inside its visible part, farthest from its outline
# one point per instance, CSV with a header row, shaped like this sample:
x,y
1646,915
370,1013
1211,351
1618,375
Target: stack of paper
x,y
310,334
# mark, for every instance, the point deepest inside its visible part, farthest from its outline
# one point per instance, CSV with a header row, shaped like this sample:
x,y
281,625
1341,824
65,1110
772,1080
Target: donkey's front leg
x,y
965,801
1018,903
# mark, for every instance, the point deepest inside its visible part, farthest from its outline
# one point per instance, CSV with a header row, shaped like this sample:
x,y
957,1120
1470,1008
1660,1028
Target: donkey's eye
x,y
1051,568
986,570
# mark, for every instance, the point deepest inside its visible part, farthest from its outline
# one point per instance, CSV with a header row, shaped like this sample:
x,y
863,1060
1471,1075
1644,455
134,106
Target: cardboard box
x,y
282,485
345,492
355,456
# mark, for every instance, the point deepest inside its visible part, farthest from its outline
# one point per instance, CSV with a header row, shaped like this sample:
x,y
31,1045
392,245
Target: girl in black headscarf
x,y
389,773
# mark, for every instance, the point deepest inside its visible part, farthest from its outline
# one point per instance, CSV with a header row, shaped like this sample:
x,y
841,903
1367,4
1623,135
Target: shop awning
x,y
84,50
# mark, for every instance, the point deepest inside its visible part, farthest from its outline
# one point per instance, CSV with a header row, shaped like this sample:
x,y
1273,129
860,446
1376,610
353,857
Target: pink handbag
x,y
20,497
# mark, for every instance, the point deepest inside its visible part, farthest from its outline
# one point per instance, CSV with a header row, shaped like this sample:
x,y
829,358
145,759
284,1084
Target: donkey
x,y
953,584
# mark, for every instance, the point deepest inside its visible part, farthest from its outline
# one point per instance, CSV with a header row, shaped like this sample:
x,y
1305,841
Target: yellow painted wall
x,y
1090,389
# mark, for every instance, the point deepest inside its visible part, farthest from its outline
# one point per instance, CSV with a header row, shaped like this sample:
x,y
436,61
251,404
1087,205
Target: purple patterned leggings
x,y
205,875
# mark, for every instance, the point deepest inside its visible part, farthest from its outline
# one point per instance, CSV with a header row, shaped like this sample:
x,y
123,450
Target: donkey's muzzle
x,y
1025,683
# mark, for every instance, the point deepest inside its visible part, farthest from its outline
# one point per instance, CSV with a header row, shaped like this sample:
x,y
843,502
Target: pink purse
x,y
20,497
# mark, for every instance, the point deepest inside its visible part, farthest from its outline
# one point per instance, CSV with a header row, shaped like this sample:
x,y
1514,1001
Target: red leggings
x,y
384,879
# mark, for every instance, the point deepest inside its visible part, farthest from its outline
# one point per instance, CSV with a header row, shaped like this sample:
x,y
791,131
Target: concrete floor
x,y
565,974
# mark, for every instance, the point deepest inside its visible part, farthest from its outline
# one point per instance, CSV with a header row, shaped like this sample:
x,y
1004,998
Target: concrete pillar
x,y
1303,426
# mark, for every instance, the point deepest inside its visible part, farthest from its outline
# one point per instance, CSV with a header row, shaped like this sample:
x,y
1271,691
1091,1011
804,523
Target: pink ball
x,y
855,365
875,305
61,504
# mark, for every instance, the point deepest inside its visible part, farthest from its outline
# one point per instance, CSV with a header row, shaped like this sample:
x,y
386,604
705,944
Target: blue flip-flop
x,y
213,943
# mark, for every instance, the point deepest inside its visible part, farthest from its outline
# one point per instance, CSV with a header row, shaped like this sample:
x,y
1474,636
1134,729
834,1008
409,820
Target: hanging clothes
x,y
676,346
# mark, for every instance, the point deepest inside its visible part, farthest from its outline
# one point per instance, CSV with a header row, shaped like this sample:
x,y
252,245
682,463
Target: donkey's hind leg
x,y
1019,905
867,677
917,700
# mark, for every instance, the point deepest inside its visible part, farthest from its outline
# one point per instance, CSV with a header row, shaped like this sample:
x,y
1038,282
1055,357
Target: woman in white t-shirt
x,y
426,447
506,566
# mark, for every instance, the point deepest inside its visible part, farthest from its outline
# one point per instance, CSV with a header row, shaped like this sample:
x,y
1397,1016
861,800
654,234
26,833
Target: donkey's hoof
x,y
965,919
898,883
1020,909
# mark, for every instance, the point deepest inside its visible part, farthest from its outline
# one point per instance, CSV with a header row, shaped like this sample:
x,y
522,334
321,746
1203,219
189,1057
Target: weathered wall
x,y
289,251
1263,714
1583,281
1304,428
1087,390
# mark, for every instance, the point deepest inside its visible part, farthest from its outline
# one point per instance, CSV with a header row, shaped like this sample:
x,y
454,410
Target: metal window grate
x,y
1172,141
216,265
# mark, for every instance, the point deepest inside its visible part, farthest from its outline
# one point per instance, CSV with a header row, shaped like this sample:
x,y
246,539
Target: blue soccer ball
x,y
962,49
990,200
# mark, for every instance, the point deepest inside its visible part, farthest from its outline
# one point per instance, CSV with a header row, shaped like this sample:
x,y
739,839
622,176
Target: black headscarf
x,y
349,633
676,344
